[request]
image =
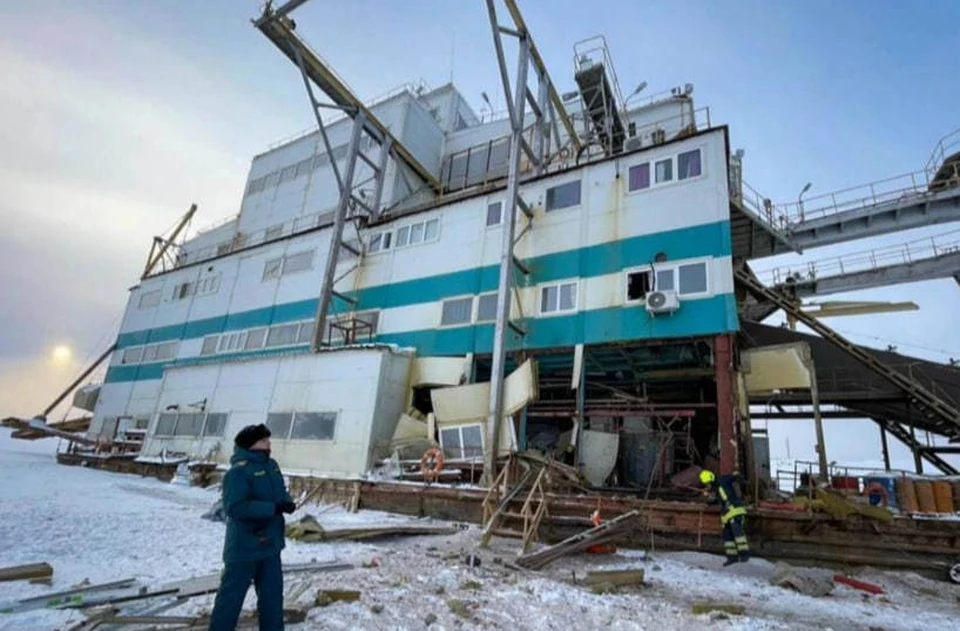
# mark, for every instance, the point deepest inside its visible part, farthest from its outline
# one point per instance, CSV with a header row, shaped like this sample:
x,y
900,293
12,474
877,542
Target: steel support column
x,y
726,402
885,448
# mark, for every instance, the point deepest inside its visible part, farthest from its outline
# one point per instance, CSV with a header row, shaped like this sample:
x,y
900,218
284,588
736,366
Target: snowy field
x,y
104,527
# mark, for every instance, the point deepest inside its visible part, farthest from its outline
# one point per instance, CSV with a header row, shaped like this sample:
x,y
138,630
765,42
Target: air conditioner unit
x,y
662,302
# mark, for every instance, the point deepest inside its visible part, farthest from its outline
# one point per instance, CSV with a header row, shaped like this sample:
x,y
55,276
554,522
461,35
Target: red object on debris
x,y
864,587
602,548
783,506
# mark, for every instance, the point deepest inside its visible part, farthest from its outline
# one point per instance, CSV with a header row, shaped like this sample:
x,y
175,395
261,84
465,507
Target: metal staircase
x,y
352,206
600,92
942,415
906,437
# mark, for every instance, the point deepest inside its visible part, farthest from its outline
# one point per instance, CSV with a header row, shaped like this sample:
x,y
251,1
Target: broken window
x,y
638,285
463,441
456,311
188,424
376,243
271,269
279,424
450,442
184,290
563,196
688,164
639,177
313,426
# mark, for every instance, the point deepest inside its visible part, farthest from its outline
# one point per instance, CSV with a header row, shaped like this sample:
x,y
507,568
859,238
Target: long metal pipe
x,y
76,382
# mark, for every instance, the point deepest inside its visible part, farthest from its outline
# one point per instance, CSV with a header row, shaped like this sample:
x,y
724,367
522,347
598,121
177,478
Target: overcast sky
x,y
115,116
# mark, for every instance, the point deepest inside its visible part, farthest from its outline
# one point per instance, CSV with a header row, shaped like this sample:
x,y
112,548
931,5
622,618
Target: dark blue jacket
x,y
252,489
725,494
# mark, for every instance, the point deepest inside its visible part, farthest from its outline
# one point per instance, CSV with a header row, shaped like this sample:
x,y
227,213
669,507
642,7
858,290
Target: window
x,y
464,441
387,237
457,311
403,236
664,280
271,269
167,350
688,164
150,299
638,285
288,173
188,424
255,338
298,262
664,169
692,279
184,290
231,342
273,232
431,229
494,213
150,353
279,424
165,424
313,426
132,355
282,334
563,196
416,233
639,177
305,334
558,298
209,345
208,285
215,424
487,308
303,166
377,242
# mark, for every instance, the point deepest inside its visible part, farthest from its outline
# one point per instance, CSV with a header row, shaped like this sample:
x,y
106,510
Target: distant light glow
x,y
62,354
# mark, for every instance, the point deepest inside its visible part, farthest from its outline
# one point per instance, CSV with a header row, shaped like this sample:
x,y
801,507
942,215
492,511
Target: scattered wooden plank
x,y
26,572
308,529
701,607
578,543
870,588
617,578
58,598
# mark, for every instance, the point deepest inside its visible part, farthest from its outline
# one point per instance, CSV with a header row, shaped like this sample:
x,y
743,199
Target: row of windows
x,y
413,234
205,286
685,165
298,169
191,424
163,351
302,425
288,264
688,279
286,334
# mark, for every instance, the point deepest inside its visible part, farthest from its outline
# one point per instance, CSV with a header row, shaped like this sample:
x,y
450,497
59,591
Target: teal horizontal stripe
x,y
613,324
705,240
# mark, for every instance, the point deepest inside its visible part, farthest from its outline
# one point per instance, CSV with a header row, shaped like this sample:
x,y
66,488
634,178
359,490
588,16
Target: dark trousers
x,y
735,539
267,579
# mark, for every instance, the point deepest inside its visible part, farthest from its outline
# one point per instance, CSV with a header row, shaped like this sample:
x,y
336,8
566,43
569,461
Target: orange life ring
x,y
431,464
879,489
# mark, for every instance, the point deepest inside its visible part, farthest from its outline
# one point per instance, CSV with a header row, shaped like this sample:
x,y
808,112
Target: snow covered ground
x,y
103,527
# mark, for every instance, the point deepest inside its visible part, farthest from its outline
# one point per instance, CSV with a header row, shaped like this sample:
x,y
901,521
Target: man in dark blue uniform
x,y
732,515
254,499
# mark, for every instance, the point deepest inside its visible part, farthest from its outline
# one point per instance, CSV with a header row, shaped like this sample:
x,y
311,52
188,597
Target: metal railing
x,y
911,252
946,147
761,207
585,54
788,480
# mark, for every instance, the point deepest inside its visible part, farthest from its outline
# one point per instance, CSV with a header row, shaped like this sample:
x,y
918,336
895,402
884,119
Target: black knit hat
x,y
250,434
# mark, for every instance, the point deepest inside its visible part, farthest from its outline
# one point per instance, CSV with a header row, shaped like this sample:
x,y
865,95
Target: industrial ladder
x,y
930,405
599,93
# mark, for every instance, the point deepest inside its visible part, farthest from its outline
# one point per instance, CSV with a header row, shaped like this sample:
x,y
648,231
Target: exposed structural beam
x,y
726,402
161,246
769,415
556,103
907,437
279,29
942,414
